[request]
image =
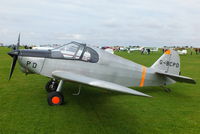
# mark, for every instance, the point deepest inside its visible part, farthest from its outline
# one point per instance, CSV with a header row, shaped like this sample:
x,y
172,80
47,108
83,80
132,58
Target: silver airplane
x,y
87,65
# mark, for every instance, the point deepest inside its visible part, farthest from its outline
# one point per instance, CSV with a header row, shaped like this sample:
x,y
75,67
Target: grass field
x,y
24,109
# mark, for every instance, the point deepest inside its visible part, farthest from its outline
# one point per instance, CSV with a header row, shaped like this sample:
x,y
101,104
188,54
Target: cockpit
x,y
76,51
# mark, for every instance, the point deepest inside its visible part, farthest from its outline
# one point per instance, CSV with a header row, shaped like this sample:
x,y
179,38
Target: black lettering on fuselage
x,y
34,65
28,63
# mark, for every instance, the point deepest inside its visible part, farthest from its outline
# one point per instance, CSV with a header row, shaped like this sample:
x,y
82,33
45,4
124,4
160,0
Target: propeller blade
x,y
13,66
18,43
14,54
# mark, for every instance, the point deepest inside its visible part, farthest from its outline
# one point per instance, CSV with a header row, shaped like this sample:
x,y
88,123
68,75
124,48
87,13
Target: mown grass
x,y
24,109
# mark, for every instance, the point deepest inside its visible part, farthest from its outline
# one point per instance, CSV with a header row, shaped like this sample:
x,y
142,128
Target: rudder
x,y
169,62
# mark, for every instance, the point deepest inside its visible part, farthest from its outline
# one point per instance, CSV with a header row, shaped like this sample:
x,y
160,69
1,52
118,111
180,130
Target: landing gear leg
x,y
56,97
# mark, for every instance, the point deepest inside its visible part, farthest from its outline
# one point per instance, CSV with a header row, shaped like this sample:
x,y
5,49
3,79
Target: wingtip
x,y
144,95
147,96
150,96
138,93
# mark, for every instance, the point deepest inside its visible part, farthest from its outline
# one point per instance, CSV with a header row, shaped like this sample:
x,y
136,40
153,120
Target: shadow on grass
x,y
104,111
102,108
161,91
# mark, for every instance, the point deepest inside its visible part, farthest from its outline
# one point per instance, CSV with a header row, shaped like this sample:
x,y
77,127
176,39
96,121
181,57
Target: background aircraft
x,y
92,66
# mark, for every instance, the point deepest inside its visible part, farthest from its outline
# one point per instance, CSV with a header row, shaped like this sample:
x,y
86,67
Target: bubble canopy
x,y
76,51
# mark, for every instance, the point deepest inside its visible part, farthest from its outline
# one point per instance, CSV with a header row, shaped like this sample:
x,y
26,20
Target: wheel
x,y
51,86
55,98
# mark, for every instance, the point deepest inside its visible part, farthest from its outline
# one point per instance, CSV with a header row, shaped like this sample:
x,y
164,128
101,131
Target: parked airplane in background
x,y
182,52
92,66
135,49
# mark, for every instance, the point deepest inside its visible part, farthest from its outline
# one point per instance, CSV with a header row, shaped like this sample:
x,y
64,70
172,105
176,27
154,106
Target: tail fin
x,y
169,62
169,65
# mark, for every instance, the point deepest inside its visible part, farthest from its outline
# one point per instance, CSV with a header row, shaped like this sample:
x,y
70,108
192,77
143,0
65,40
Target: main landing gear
x,y
51,85
55,96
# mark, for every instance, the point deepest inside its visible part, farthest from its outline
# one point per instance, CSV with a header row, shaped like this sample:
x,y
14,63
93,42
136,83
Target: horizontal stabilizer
x,y
178,78
79,78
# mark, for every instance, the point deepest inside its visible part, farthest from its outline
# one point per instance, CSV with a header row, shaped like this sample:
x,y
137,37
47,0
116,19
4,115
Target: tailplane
x,y
178,78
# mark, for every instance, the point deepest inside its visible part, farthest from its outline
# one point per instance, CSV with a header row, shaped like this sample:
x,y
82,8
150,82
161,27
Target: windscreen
x,y
71,50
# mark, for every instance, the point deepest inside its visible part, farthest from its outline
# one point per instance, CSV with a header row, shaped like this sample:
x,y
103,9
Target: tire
x,y
55,98
50,87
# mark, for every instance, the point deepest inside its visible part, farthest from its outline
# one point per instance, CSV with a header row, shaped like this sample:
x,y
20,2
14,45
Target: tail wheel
x,y
55,98
51,86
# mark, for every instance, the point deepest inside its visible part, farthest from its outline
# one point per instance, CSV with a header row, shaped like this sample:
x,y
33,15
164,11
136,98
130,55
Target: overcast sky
x,y
101,22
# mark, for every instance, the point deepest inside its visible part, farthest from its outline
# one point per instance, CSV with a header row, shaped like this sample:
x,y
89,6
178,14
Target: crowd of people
x,y
147,50
197,50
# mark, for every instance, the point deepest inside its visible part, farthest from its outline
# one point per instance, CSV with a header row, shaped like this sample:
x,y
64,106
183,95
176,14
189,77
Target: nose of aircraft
x,y
13,53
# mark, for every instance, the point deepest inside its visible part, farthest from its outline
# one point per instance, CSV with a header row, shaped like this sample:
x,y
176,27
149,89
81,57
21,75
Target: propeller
x,y
14,54
18,43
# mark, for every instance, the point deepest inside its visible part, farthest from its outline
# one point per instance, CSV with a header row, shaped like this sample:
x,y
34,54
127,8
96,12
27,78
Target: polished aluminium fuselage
x,y
109,67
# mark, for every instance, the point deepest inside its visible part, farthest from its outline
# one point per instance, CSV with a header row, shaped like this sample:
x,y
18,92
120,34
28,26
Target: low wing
x,y
95,82
178,78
